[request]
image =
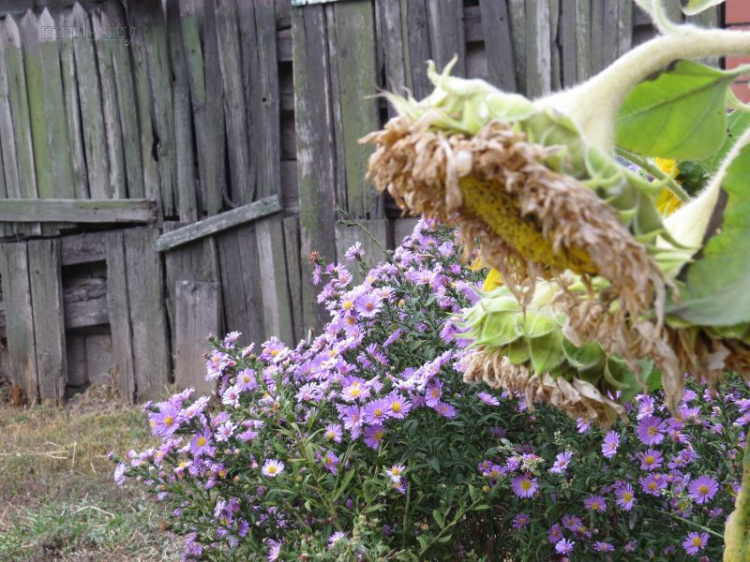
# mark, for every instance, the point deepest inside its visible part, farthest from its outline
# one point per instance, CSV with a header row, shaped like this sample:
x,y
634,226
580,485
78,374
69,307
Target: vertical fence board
x,y
295,273
355,64
240,283
241,169
583,39
116,185
19,322
49,326
126,102
446,31
417,30
624,28
517,12
73,107
498,43
187,197
147,312
538,49
391,39
10,178
377,239
556,64
314,143
274,281
92,118
75,353
198,314
568,65
119,315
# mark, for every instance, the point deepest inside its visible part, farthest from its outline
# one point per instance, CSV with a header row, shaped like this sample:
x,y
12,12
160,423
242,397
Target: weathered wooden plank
x,y
126,102
99,358
380,238
283,14
583,39
82,289
391,40
556,66
337,123
14,271
82,248
73,108
19,107
10,178
32,58
240,283
75,351
292,253
314,146
355,65
116,185
610,31
416,29
186,192
209,133
289,187
85,302
498,43
446,31
197,261
118,303
92,118
284,45
151,362
150,20
147,139
538,49
274,281
624,27
218,223
402,228
198,314
49,325
83,211
568,32
517,12
241,170
596,56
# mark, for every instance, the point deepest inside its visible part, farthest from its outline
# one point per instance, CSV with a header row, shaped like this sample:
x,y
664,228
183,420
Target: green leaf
x,y
546,352
584,357
694,7
737,123
681,114
499,329
716,291
439,518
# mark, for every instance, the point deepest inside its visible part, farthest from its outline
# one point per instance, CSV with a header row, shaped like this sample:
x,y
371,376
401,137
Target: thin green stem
x,y
655,171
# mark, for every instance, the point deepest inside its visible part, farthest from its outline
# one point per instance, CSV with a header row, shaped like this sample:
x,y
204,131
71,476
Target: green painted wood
x,y
294,272
314,148
78,211
45,278
517,12
198,313
117,186
241,170
10,179
32,58
209,130
73,110
149,18
147,140
14,272
118,304
54,111
538,49
148,320
219,223
126,104
498,43
240,283
187,196
354,37
92,117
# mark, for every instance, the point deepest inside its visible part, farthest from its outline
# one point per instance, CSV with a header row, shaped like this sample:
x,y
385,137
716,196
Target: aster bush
x,y
364,443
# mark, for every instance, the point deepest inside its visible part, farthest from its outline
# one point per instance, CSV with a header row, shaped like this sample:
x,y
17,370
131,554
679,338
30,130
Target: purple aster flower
x,y
393,337
572,522
703,489
333,432
246,380
601,546
651,459
398,406
488,399
521,521
272,468
651,430
695,542
355,391
376,412
201,445
331,461
525,486
595,503
351,417
396,472
374,435
445,410
561,463
653,484
610,444
433,393
368,305
582,426
355,252
338,535
625,497
166,421
555,533
564,547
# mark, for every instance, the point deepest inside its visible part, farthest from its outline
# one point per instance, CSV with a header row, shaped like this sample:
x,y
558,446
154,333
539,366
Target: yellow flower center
x,y
396,407
169,420
627,496
703,489
271,469
649,460
348,305
201,441
526,485
697,541
378,412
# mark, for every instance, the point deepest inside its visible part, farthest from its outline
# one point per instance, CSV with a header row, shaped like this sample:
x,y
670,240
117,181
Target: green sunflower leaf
x,y
694,7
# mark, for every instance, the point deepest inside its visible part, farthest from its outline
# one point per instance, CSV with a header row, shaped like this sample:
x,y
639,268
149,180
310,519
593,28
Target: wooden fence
x,y
167,166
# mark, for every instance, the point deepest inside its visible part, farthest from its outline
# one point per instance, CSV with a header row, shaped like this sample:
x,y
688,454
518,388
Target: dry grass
x,y
57,497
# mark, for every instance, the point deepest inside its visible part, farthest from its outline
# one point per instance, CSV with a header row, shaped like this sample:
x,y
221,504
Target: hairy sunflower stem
x,y
594,105
736,532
